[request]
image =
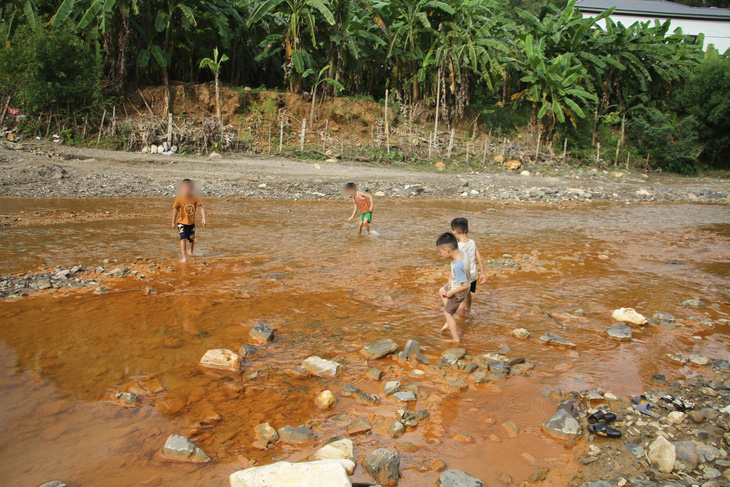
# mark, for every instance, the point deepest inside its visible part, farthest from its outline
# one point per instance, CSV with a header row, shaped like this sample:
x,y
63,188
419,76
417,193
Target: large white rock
x,y
221,358
628,315
320,473
321,367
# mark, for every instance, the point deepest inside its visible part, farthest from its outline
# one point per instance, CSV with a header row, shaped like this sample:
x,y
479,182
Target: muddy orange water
x,y
300,268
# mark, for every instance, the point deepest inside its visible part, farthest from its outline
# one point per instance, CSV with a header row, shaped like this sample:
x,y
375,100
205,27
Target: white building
x,y
714,23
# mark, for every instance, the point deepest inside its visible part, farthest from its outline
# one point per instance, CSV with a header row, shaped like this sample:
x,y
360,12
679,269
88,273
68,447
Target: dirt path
x,y
48,170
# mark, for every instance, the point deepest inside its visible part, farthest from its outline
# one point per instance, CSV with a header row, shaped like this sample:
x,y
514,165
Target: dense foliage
x,y
539,56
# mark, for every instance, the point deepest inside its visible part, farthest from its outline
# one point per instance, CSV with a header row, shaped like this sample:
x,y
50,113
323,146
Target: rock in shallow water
x,y
628,315
261,333
300,434
321,367
325,400
332,473
619,332
457,478
380,349
337,450
383,465
553,339
221,358
563,425
179,448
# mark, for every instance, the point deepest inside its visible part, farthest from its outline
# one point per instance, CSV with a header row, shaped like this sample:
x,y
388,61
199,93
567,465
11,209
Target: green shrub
x,y
705,97
50,69
669,142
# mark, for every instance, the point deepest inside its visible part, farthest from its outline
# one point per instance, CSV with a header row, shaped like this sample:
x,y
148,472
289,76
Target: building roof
x,y
654,8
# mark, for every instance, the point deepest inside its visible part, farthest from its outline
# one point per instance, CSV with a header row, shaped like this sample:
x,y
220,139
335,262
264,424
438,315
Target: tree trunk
x,y
218,106
166,80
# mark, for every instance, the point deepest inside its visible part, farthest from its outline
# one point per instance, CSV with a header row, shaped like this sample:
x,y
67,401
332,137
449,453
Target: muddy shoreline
x,y
44,170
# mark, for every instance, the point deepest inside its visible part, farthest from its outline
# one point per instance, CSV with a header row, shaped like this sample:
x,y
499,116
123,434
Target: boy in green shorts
x,y
364,204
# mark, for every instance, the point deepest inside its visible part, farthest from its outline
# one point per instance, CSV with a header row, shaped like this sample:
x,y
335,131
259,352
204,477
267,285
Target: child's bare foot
x,y
183,260
445,327
190,252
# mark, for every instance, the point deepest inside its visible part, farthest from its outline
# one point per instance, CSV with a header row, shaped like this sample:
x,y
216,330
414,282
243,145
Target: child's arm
x,y
354,211
202,213
175,212
460,289
482,275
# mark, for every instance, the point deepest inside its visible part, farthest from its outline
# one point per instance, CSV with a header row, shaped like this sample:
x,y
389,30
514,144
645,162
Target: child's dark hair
x,y
351,186
460,225
186,180
447,239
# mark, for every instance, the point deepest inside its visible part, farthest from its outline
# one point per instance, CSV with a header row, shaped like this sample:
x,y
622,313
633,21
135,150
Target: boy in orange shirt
x,y
183,216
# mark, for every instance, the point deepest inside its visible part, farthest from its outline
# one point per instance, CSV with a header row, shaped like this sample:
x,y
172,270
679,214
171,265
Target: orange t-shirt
x,y
362,203
186,209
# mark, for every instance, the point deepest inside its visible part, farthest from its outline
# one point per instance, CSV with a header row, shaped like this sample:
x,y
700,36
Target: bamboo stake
x,y
169,131
565,147
114,120
628,159
101,126
304,133
467,152
269,151
598,152
430,141
504,147
281,136
324,139
537,149
387,131
451,144
145,102
486,144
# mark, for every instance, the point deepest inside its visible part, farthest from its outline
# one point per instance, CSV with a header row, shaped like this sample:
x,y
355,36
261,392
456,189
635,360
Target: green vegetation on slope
x,y
575,79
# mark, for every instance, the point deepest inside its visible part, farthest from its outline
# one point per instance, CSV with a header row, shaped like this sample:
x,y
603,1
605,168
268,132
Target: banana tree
x,y
319,79
214,65
554,86
298,15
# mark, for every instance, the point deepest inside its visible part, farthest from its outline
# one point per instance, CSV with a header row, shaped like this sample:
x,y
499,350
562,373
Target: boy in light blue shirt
x,y
456,290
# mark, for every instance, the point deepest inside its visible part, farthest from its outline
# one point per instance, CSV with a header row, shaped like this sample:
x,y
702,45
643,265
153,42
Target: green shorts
x,y
368,215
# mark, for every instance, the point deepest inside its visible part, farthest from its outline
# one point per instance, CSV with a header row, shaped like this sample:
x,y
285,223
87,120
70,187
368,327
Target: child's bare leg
x,y
451,323
182,250
192,247
442,291
367,225
359,228
465,306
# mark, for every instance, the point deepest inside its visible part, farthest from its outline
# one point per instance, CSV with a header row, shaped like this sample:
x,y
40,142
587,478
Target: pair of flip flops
x,y
676,403
599,421
642,404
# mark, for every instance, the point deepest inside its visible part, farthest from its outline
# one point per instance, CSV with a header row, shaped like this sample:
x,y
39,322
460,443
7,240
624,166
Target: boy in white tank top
x,y
460,227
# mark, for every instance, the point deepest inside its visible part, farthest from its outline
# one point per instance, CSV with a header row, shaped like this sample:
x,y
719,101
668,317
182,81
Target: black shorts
x,y
473,287
187,232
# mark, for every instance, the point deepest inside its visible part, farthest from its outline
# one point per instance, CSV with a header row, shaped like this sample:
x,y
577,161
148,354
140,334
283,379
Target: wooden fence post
x,y
281,136
387,131
101,126
451,144
304,134
169,131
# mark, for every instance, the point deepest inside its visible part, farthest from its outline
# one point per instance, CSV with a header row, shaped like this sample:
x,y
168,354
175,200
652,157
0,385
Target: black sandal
x,y
602,417
600,429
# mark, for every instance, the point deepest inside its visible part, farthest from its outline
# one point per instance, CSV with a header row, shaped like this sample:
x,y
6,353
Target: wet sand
x,y
299,268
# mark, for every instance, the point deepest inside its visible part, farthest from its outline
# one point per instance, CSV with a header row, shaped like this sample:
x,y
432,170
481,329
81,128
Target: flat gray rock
x,y
619,332
693,303
330,472
451,356
53,483
457,478
300,434
412,347
405,396
380,349
321,367
553,339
